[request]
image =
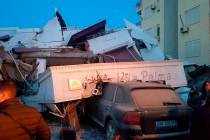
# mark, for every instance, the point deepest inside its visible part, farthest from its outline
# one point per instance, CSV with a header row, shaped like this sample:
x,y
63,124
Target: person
x,y
207,86
206,90
206,112
19,122
200,125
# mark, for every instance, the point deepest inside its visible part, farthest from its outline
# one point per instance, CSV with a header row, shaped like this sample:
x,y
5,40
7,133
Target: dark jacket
x,y
28,117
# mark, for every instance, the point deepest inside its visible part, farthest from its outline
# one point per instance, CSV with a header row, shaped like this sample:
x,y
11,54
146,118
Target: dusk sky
x,y
76,13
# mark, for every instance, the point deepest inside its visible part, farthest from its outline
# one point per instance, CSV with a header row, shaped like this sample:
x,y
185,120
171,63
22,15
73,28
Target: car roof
x,y
139,85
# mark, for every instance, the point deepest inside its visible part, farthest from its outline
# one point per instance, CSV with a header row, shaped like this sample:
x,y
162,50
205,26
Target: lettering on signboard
x,y
96,78
123,77
133,76
145,75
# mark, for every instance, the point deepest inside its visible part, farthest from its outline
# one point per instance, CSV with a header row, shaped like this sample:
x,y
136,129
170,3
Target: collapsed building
x,y
41,60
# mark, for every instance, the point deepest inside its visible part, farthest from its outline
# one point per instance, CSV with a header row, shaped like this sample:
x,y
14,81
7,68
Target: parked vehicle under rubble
x,y
62,88
147,109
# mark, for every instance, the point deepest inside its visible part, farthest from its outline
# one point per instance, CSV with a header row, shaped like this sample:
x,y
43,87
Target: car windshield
x,y
155,97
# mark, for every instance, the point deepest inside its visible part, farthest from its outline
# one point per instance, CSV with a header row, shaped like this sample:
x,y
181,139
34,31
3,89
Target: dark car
x,y
148,109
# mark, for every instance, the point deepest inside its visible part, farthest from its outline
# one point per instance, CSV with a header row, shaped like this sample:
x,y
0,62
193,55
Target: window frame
x,y
192,22
126,92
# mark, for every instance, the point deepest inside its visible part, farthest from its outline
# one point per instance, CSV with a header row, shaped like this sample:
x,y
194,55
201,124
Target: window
x,y
122,96
192,16
154,97
158,32
158,5
148,12
119,96
192,48
108,92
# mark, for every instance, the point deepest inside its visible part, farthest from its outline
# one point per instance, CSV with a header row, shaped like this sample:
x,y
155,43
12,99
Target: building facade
x,y
194,31
181,26
159,19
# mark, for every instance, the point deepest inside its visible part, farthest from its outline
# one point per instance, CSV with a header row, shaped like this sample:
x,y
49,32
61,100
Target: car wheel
x,y
111,130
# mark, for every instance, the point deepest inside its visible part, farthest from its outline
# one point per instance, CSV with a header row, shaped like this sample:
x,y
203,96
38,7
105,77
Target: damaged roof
x,y
82,35
5,38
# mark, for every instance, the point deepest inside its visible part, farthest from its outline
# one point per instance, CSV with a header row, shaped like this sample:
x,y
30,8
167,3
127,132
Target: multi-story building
x,y
159,19
181,26
194,31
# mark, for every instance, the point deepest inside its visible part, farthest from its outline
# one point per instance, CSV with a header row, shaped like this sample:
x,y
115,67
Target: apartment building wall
x,y
194,39
161,23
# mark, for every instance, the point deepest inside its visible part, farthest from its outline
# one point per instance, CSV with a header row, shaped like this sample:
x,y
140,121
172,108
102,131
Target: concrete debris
x,y
49,63
14,68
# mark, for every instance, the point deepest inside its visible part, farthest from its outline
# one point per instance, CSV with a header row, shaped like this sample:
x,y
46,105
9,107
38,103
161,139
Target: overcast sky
x,y
77,13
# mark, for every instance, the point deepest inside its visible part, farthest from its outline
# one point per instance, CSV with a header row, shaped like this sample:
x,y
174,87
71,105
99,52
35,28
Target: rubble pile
x,y
12,67
48,63
28,53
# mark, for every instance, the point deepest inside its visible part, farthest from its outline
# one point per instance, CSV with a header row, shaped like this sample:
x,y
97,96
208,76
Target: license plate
x,y
166,124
